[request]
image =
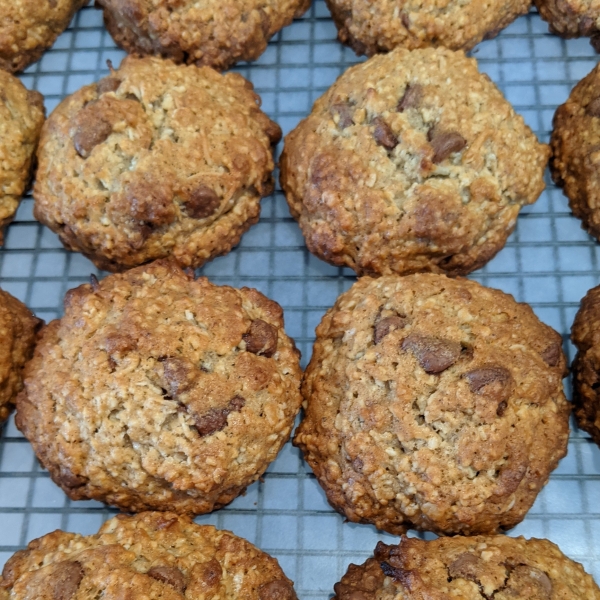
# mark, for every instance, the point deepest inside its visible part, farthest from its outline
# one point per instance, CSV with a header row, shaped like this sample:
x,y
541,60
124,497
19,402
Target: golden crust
x,y
434,404
572,18
163,392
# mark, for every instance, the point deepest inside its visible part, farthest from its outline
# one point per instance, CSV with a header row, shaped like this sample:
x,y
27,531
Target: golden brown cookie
x,y
29,27
18,328
572,18
371,26
469,568
151,556
433,404
21,119
575,143
585,334
158,391
155,160
216,33
412,161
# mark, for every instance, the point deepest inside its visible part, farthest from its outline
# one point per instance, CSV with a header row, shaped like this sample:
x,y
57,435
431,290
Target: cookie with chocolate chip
x,y
152,556
575,143
470,568
157,391
155,160
216,33
411,161
433,404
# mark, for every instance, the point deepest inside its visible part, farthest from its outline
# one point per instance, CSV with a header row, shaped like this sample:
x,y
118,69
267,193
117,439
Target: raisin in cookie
x,y
29,27
18,328
469,568
433,404
412,161
371,26
156,391
216,33
575,143
21,119
154,556
572,18
156,159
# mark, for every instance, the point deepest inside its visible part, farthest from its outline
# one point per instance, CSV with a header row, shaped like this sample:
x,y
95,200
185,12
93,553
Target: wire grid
x,y
549,262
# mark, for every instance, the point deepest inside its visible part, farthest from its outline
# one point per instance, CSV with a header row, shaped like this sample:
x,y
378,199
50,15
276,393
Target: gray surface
x,y
548,262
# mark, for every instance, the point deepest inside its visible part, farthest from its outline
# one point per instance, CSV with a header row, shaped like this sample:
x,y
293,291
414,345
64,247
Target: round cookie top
x,y
412,161
575,142
150,556
21,119
156,391
434,404
470,568
156,159
213,33
371,26
18,328
29,27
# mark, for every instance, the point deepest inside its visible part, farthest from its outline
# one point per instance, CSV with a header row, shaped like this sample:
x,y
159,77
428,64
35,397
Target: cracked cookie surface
x,y
433,404
156,391
215,33
470,568
412,161
575,143
155,160
151,556
572,18
21,119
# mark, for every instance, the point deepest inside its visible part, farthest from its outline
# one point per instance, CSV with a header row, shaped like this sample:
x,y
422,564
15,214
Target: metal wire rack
x,y
549,262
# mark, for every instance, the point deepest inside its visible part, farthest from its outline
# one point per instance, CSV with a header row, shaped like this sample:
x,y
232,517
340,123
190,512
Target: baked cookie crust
x,y
572,18
411,161
155,160
433,404
158,391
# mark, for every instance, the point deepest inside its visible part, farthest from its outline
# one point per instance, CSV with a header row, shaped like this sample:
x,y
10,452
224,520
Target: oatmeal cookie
x,y
156,159
469,568
412,161
213,32
21,119
29,27
156,391
572,18
372,26
18,328
433,404
150,556
575,143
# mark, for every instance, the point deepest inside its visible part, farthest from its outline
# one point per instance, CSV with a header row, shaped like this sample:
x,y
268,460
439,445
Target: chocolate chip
x,y
202,203
466,566
108,84
552,354
273,132
344,113
179,375
593,108
480,379
586,26
170,575
69,479
261,338
64,580
94,283
434,354
386,326
276,590
396,573
211,573
412,97
215,419
383,134
529,582
444,143
150,202
405,20
91,130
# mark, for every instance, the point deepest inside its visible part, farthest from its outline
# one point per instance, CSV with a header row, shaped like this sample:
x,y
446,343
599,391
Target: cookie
x,y
411,161
151,556
575,143
213,33
470,568
158,391
572,18
585,334
21,119
155,160
28,28
18,328
372,26
433,404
